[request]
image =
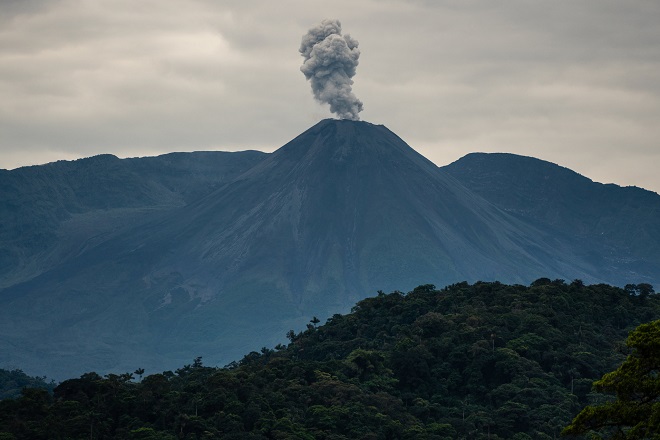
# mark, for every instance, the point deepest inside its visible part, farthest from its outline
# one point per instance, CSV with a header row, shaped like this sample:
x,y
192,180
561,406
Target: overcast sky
x,y
575,82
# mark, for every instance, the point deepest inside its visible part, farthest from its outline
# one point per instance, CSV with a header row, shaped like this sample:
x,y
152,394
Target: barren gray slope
x,y
341,211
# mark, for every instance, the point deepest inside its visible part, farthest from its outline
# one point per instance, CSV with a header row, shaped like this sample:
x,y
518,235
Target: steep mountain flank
x,y
49,213
153,262
617,228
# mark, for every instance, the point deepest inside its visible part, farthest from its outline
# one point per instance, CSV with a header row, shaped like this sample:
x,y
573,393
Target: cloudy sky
x,y
575,82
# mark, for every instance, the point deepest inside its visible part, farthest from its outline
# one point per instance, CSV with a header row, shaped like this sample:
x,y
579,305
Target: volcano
x,y
345,209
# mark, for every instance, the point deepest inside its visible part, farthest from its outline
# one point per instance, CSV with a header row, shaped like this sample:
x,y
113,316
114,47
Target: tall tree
x,y
635,412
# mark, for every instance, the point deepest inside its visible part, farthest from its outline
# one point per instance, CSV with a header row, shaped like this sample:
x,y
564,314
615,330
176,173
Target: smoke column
x,y
330,62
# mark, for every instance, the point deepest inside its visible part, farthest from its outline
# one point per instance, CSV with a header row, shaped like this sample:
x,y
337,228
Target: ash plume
x,y
330,62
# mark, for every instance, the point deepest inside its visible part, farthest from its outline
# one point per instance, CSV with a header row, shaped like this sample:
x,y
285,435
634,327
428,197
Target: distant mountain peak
x,y
215,253
354,143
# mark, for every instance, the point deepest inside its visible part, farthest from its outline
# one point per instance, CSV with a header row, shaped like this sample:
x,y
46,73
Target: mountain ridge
x,y
342,210
622,220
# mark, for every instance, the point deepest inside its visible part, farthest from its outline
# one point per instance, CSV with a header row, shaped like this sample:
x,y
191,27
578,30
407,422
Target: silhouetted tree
x,y
635,413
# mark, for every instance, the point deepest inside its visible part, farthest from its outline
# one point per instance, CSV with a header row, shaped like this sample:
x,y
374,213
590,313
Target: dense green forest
x,y
12,383
633,412
481,361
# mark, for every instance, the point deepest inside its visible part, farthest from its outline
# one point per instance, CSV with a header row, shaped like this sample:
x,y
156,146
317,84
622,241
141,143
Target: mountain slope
x,y
618,227
343,210
49,213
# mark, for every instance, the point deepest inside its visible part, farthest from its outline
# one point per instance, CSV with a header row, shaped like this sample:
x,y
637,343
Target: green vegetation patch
x,y
481,361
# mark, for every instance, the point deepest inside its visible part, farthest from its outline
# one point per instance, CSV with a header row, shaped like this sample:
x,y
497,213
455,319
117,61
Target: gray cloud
x,y
571,82
330,63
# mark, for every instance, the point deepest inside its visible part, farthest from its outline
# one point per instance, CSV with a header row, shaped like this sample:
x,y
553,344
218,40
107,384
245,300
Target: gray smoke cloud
x,y
330,62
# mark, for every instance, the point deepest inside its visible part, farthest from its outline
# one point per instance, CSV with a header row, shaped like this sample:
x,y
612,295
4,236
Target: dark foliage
x,y
469,361
634,413
12,383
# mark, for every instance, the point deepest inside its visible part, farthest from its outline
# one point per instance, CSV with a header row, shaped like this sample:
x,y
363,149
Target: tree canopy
x,y
12,383
635,411
478,361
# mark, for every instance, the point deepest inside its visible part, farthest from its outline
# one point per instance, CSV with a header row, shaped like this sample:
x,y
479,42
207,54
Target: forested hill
x,y
469,361
12,383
